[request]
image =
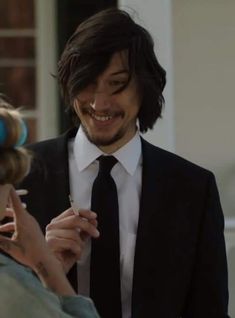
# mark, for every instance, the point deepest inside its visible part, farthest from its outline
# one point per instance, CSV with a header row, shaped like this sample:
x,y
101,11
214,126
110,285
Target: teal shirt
x,y
23,295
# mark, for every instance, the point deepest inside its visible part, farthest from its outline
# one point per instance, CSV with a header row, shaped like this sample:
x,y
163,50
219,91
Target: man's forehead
x,y
118,64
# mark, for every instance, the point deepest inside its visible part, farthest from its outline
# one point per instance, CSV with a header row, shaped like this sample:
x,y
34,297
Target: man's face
x,y
109,120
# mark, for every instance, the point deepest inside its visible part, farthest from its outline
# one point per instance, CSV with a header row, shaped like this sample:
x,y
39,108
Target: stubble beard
x,y
102,141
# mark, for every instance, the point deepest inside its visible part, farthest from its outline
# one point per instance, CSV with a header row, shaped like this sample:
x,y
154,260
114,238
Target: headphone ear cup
x,y
23,134
3,132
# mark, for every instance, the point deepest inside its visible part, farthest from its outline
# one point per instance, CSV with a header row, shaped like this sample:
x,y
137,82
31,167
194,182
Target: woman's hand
x,y
27,244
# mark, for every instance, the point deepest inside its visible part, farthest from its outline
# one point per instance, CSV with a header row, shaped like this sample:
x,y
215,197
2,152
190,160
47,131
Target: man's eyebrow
x,y
120,72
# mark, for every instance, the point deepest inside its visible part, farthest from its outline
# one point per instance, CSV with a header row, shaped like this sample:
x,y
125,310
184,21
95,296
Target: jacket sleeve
x,y
208,296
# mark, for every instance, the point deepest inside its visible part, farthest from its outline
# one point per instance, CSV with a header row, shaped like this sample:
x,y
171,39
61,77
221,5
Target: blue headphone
x,y
4,133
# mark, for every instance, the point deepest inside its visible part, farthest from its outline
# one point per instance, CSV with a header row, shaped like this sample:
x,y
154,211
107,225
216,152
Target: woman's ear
x,y
4,198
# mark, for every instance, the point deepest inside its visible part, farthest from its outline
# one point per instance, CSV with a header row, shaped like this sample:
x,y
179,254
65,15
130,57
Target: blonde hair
x,y
14,160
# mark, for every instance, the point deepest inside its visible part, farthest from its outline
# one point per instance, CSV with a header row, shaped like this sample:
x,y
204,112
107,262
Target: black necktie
x,y
105,251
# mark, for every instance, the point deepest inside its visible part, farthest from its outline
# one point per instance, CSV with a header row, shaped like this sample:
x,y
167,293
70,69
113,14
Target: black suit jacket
x,y
180,267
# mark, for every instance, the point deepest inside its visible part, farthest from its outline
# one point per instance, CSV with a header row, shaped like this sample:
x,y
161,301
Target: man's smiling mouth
x,y
101,118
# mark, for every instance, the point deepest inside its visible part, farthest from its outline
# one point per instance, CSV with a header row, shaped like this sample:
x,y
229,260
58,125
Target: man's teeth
x,y
101,118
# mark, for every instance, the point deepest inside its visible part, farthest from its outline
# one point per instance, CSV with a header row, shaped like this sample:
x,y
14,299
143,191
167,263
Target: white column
x,y
47,104
155,16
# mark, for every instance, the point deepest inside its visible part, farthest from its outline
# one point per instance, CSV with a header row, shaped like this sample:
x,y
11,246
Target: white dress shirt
x,y
127,174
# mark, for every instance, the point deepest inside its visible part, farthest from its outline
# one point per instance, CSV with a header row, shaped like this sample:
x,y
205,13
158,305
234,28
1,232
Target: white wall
x,y
46,53
204,69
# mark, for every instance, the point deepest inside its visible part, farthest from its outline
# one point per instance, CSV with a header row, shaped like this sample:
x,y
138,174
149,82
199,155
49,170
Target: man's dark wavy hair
x,y
89,51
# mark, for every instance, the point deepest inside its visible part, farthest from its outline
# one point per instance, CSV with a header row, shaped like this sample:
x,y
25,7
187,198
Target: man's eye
x,y
117,83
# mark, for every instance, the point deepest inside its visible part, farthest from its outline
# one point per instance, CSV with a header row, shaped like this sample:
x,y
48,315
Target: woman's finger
x,y
16,203
8,227
9,213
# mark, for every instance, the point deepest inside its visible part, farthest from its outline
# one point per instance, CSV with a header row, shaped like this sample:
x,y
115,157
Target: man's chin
x,y
101,140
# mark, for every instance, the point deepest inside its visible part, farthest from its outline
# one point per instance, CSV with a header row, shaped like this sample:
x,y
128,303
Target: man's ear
x,y
4,198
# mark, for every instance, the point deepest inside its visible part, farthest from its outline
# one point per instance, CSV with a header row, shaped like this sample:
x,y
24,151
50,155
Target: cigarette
x,y
73,205
22,192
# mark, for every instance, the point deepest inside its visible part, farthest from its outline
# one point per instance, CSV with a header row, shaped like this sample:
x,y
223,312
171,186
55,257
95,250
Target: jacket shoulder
x,y
171,162
51,149
45,145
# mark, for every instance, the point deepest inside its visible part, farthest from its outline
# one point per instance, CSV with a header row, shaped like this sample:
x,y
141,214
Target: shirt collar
x,y
86,152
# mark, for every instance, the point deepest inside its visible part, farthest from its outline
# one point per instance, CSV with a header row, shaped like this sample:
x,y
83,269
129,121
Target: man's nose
x,y
101,101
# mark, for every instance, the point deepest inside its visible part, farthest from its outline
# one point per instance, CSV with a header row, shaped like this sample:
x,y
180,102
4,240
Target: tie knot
x,y
106,164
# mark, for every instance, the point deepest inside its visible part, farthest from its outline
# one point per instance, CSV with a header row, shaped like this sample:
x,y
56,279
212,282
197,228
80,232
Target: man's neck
x,y
118,144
